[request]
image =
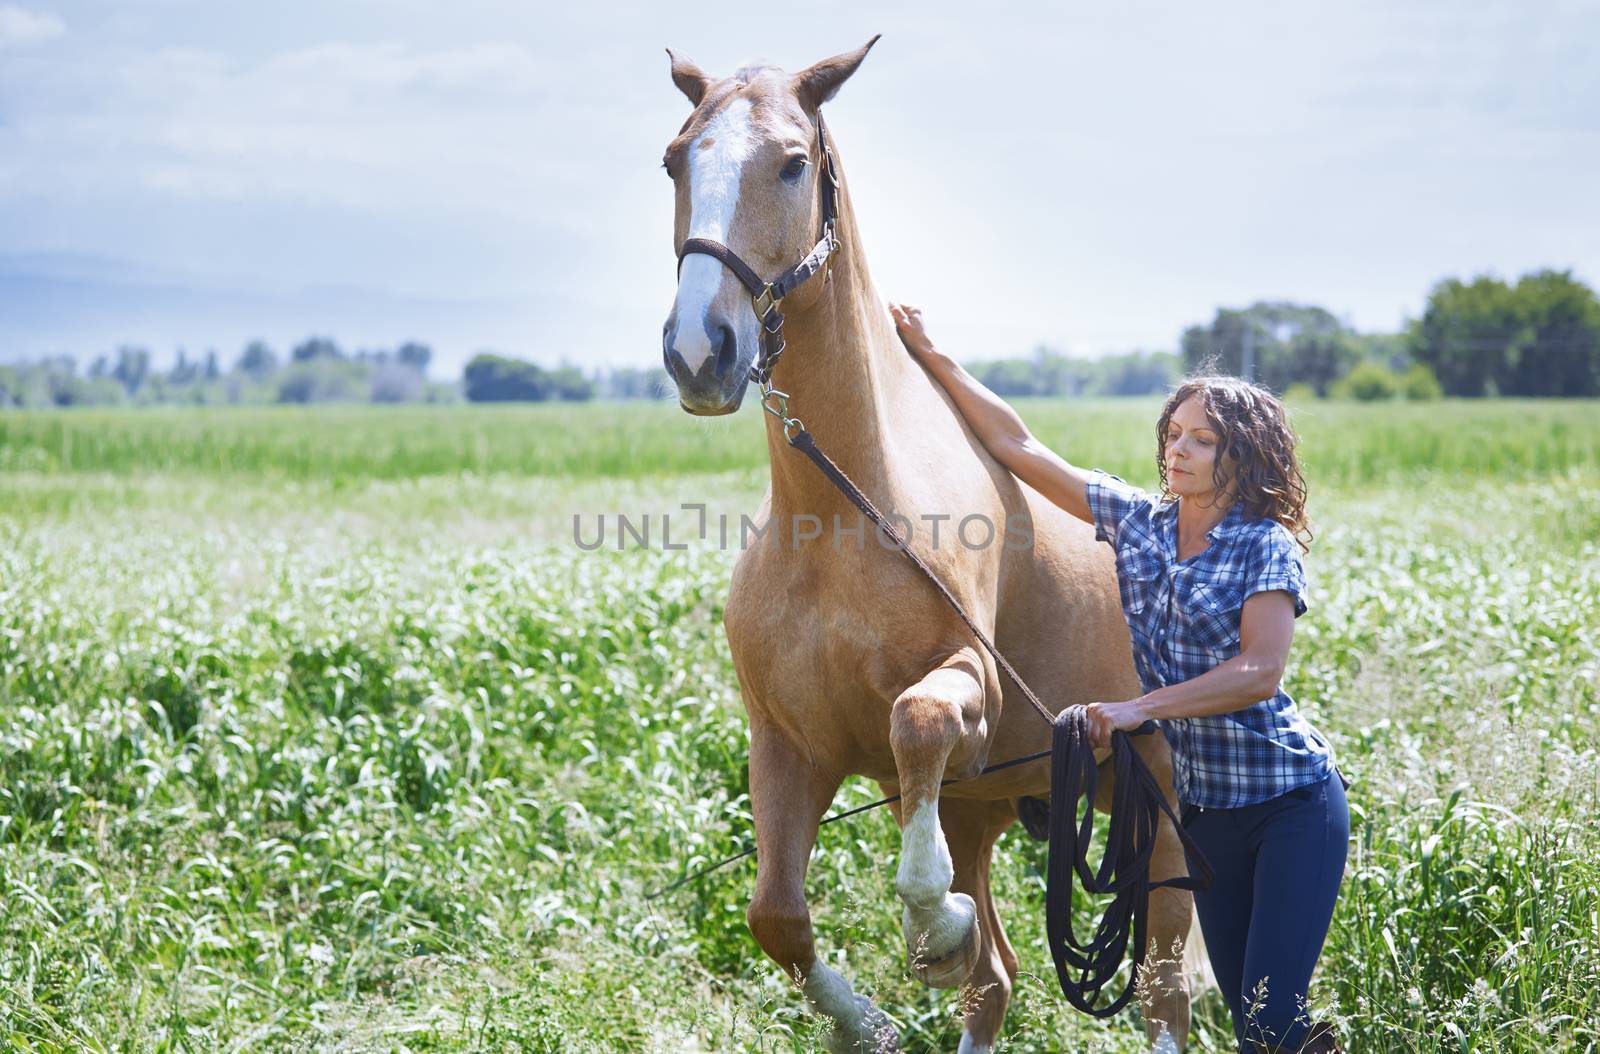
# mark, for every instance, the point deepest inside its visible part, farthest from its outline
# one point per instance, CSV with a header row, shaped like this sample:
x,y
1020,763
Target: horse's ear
x,y
815,85
689,78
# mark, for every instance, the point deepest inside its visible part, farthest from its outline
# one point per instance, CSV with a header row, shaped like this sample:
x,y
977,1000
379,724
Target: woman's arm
x,y
1266,628
996,424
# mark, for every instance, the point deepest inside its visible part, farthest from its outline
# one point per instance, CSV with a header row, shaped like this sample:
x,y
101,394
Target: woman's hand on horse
x,y
908,321
1104,718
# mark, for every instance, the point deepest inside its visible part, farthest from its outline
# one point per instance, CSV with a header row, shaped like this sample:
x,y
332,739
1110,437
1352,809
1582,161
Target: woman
x,y
1211,582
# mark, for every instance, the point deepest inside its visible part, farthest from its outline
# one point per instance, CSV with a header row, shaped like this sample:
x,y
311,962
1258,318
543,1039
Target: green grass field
x,y
318,733
1345,443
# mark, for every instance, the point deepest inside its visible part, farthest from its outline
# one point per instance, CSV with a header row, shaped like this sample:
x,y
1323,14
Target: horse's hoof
x,y
955,966
872,1034
956,963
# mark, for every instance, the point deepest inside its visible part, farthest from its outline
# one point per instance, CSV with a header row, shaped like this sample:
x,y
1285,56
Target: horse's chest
x,y
803,639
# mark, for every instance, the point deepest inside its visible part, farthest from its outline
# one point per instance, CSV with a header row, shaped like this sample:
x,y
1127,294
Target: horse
x,y
848,662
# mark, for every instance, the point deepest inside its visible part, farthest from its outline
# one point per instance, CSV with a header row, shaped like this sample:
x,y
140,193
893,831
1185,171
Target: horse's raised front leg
x,y
928,721
972,828
787,797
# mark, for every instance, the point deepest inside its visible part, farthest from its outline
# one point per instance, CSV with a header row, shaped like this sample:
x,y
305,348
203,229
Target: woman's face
x,y
1191,452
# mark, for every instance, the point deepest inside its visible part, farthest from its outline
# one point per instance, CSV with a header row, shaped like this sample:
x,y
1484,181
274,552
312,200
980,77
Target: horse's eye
x,y
794,166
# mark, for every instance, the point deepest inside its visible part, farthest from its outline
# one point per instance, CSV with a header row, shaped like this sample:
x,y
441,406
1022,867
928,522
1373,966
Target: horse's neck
x,y
847,378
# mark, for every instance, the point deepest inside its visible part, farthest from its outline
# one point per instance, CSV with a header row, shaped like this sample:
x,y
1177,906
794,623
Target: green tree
x,y
322,380
569,384
415,355
635,382
393,382
1287,342
1368,382
1419,383
1316,357
1056,374
1135,373
132,368
184,371
1391,349
1538,337
316,348
1006,377
258,361
494,378
1469,335
1560,350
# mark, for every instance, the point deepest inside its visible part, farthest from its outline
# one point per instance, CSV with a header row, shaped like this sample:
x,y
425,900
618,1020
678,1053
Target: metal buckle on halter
x,y
772,300
781,410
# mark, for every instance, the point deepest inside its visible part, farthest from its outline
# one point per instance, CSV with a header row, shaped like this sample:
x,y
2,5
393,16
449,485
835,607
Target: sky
x,y
487,175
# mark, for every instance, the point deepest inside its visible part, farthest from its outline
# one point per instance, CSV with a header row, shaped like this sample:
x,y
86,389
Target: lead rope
x,y
1084,967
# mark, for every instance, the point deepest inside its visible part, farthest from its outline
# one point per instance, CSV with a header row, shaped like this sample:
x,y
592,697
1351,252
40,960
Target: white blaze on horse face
x,y
716,158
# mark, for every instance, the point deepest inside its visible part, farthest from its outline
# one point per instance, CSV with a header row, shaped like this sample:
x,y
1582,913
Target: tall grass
x,y
340,769
1344,444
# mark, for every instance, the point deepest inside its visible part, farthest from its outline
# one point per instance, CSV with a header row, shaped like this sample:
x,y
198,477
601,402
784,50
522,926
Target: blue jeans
x,y
1278,867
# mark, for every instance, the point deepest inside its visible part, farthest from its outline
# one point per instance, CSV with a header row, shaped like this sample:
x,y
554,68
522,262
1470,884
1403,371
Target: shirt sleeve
x,y
1275,564
1111,498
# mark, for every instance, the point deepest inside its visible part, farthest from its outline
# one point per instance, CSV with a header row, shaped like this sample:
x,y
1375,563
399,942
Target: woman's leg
x,y
1301,841
1225,907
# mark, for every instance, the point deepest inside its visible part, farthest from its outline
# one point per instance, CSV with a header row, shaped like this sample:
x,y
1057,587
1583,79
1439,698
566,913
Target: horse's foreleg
x,y
787,798
928,721
972,828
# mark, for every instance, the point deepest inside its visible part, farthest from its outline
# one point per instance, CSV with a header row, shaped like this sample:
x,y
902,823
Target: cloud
x,y
370,127
21,28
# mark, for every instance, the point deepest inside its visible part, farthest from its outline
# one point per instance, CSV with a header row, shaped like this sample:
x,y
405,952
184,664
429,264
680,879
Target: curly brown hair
x,y
1255,443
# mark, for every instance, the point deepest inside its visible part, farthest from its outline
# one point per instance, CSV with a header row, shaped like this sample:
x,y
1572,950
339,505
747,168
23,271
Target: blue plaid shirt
x,y
1184,617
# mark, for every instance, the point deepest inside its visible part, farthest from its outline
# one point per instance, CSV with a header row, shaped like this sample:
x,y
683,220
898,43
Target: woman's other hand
x,y
1104,718
908,322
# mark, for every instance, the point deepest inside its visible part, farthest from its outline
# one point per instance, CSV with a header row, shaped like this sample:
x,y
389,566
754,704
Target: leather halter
x,y
766,296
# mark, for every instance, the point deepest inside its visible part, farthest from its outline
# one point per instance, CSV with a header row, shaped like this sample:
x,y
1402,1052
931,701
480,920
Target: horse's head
x,y
745,167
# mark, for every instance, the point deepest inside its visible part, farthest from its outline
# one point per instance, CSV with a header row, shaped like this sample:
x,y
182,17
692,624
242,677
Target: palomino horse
x,y
849,662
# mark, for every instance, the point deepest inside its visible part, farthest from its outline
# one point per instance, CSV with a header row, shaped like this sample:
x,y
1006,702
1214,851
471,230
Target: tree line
x,y
315,370
1538,336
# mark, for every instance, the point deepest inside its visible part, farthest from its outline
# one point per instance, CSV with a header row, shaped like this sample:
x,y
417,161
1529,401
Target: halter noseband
x,y
765,297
